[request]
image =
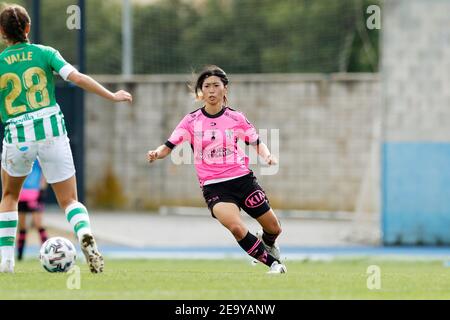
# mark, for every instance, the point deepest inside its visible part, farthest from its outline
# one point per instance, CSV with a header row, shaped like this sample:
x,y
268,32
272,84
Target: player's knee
x,y
238,230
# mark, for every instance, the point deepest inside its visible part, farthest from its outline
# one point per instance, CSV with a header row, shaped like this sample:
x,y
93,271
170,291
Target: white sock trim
x,y
79,217
8,232
9,216
74,206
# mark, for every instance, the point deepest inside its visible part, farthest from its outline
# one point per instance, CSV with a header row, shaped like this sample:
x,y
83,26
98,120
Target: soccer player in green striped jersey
x,y
34,128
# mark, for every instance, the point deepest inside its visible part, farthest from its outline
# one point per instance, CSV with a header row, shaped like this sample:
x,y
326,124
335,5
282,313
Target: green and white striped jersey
x,y
28,107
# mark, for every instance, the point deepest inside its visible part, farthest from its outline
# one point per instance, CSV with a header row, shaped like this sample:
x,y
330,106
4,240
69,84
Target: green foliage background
x,y
242,36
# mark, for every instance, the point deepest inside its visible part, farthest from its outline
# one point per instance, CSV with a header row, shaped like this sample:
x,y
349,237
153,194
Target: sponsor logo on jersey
x,y
215,153
255,199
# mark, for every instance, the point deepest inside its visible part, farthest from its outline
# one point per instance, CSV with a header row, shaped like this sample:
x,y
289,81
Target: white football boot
x,y
93,257
273,250
277,268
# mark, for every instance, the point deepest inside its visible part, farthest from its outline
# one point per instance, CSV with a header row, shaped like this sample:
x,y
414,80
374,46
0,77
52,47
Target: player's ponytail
x,y
13,21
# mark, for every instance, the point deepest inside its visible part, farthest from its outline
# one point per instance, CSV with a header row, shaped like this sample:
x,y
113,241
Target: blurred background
x,y
353,95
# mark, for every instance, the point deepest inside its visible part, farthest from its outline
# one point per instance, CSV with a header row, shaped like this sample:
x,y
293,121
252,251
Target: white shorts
x,y
54,155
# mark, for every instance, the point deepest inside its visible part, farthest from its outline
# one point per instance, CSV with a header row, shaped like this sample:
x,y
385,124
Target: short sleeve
x,y
247,132
58,63
55,59
180,134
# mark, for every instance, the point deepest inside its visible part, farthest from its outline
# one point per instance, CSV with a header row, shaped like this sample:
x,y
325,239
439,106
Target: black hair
x,y
209,71
13,20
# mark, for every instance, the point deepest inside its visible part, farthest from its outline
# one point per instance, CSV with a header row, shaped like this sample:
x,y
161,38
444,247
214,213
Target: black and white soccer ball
x,y
57,254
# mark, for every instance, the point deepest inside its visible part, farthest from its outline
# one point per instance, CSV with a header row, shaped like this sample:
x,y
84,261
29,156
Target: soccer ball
x,y
57,254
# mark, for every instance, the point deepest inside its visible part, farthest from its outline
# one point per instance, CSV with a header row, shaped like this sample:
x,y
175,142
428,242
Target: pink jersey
x,y
213,139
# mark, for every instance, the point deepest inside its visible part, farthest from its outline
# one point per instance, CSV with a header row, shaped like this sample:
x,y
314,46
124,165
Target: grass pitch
x,y
231,279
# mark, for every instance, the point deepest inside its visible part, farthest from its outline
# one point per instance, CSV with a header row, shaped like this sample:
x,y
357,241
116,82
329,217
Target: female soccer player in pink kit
x,y
222,167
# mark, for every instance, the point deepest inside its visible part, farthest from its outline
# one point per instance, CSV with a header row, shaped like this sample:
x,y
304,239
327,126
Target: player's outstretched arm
x,y
264,153
87,83
160,153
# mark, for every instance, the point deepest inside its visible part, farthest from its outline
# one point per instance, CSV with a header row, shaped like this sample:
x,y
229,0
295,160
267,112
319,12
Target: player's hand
x,y
122,95
271,160
152,155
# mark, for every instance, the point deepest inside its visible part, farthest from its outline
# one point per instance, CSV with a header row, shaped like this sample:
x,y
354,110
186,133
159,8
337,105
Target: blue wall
x,y
416,193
